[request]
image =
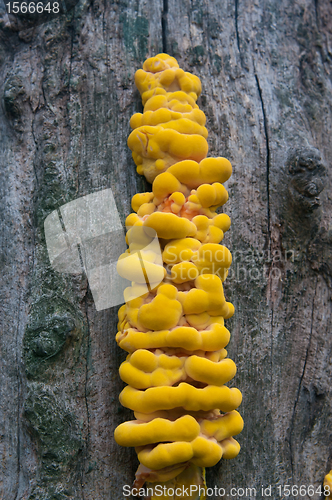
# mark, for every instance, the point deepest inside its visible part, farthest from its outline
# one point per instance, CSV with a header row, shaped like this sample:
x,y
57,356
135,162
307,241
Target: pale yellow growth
x,y
164,185
129,266
203,320
133,220
179,102
183,272
231,448
212,258
160,62
167,371
207,195
165,455
207,231
204,259
170,106
146,209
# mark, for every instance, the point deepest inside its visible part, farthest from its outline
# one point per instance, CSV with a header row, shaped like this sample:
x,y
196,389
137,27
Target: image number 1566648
x,y
32,8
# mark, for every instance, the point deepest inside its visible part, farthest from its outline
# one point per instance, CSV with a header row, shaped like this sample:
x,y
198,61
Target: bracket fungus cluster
x,y
173,329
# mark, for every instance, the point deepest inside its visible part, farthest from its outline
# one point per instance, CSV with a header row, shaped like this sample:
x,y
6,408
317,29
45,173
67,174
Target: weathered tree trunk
x,y
68,93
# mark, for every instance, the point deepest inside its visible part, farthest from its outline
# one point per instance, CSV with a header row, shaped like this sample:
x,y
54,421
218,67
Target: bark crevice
x,y
86,396
36,147
292,423
19,384
164,25
268,159
237,27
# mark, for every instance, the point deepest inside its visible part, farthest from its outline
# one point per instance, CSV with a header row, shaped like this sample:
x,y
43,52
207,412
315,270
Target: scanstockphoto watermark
x,y
187,492
165,492
247,265
86,236
264,491
255,265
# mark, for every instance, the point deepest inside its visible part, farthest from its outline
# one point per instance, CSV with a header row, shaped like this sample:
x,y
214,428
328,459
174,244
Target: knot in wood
x,y
307,178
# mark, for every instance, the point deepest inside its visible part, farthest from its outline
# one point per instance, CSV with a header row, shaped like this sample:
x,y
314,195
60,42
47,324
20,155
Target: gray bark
x,y
68,93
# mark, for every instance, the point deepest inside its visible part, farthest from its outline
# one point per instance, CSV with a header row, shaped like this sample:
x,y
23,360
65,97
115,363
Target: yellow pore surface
x,y
173,330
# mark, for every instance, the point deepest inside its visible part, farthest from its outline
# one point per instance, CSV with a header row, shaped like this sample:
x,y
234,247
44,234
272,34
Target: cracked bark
x,y
164,25
84,468
68,94
237,25
265,123
292,424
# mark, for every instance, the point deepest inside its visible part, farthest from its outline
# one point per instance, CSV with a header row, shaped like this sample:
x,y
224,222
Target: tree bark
x,y
68,93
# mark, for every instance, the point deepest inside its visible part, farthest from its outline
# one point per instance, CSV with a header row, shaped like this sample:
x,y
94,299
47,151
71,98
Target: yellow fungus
x,y
184,395
165,455
139,199
163,311
180,250
172,324
227,425
143,369
149,143
131,267
207,371
170,226
208,171
184,271
185,428
211,339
